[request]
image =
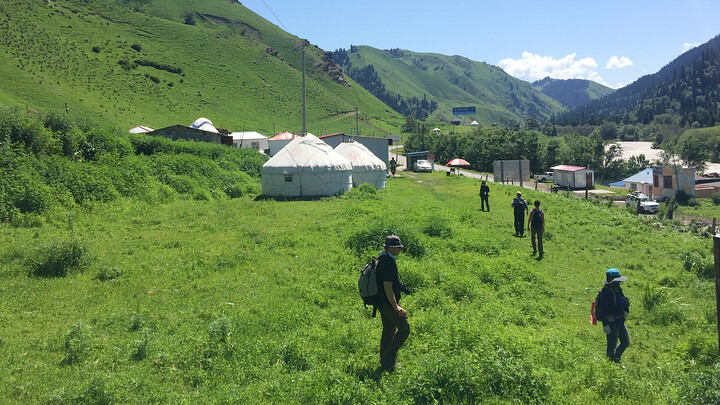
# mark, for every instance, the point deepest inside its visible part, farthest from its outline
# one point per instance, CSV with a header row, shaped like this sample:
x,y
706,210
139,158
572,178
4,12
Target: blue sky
x,y
611,42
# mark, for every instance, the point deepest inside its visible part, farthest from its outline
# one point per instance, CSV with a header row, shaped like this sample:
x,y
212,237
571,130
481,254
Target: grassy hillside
x,y
137,62
572,93
244,301
454,81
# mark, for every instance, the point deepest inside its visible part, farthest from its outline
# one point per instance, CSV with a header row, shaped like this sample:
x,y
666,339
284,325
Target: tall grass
x,y
255,301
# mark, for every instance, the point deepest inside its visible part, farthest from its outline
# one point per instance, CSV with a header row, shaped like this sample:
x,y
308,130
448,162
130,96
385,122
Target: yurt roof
x,y
306,153
204,124
360,156
139,129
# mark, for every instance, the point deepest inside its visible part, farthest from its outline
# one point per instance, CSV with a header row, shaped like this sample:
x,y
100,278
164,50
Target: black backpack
x,y
370,290
537,218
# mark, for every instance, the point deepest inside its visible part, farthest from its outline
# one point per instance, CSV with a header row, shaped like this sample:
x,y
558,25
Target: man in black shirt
x,y
484,191
396,328
520,207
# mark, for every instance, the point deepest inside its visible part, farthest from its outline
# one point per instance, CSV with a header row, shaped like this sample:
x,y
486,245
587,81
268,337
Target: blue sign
x,y
463,110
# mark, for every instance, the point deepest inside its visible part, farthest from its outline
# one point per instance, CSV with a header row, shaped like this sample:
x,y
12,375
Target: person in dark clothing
x,y
396,328
536,226
520,207
484,191
613,308
393,166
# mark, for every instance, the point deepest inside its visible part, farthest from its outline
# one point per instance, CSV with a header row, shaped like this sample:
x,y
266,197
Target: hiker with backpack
x,y
520,207
536,226
396,328
611,307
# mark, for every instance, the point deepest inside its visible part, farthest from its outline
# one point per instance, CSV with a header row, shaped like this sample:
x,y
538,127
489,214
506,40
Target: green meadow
x,y
252,300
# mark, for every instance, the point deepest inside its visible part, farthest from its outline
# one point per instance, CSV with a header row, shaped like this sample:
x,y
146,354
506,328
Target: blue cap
x,y
613,275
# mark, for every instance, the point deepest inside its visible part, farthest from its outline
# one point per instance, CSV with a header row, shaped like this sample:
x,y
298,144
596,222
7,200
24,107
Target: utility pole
x,y
357,128
716,249
304,126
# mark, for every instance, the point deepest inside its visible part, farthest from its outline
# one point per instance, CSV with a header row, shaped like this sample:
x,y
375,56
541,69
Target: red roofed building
x,y
573,176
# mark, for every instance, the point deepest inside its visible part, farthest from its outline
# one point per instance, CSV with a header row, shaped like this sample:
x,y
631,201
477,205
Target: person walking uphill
x,y
536,226
393,166
484,191
613,307
520,208
396,328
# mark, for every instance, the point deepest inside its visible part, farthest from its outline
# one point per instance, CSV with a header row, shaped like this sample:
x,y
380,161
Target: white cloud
x,y
535,67
688,46
618,63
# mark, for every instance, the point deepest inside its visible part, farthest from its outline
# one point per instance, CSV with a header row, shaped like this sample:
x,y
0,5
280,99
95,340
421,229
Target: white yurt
x,y
367,168
204,124
306,167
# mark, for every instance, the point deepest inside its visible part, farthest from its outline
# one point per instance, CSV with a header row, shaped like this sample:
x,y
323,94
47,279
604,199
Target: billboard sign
x,y
463,110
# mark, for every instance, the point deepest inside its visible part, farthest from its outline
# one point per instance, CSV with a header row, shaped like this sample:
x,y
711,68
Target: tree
x,y
694,153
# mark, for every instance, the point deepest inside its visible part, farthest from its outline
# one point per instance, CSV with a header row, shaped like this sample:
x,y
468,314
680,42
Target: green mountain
x,y
685,90
572,93
165,62
423,80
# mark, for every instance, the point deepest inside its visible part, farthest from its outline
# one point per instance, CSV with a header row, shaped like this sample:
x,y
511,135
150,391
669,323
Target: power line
x,y
276,17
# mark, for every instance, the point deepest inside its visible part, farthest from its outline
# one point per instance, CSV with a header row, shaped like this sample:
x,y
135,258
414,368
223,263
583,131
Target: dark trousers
x,y
395,331
617,331
520,223
484,202
537,232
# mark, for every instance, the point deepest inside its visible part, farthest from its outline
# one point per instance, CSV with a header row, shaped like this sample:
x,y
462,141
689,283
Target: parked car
x,y
647,204
547,176
422,166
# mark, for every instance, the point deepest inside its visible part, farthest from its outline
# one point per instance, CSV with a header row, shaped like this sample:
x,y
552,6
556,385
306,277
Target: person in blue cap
x,y
613,308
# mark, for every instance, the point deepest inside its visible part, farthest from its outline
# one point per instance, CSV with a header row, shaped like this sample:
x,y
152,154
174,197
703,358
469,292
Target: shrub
x,y
56,259
220,330
695,262
438,227
96,393
96,49
109,274
653,297
136,47
715,198
702,386
293,357
373,239
77,343
141,345
471,377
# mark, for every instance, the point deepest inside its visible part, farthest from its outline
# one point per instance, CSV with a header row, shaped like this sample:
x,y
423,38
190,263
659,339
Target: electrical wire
x,y
276,17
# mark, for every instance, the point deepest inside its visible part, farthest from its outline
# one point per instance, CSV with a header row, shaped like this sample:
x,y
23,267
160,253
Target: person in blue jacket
x,y
613,308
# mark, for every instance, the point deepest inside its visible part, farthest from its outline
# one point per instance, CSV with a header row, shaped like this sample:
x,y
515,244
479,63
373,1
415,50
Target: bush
x,y
220,330
364,191
56,259
715,198
373,239
77,343
653,297
438,227
702,386
467,377
141,345
136,47
695,262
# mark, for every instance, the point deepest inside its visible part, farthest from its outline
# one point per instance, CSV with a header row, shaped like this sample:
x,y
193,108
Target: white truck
x,y
647,204
547,176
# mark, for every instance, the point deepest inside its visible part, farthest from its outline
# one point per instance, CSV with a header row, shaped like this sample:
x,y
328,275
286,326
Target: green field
x,y
254,301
